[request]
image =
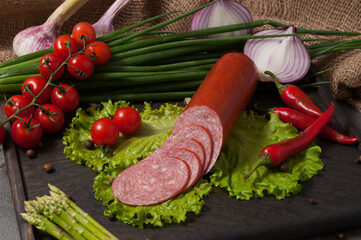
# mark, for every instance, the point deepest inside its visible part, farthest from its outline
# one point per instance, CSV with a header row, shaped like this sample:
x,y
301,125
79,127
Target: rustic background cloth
x,y
344,15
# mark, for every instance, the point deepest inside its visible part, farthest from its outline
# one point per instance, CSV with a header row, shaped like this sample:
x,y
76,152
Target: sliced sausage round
x,y
202,135
151,181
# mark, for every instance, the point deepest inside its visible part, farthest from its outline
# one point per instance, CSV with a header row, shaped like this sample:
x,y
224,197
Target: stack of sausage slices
x,y
197,138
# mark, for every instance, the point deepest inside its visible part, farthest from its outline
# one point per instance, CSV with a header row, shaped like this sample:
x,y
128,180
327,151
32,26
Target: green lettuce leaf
x,y
251,134
173,210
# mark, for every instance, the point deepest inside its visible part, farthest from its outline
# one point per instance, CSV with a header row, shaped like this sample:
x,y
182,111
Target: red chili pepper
x,y
297,99
274,154
302,121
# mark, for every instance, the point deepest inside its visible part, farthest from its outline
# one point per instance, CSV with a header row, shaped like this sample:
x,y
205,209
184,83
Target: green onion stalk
x,y
62,218
144,59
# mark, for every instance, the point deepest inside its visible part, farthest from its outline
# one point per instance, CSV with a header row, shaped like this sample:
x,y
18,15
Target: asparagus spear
x,y
62,218
61,202
43,224
79,211
51,209
41,209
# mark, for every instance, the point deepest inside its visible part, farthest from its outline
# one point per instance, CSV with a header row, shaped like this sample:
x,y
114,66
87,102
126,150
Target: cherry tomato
x,y
99,52
83,30
26,132
80,66
65,97
51,118
104,132
18,101
2,134
48,64
35,85
127,120
62,44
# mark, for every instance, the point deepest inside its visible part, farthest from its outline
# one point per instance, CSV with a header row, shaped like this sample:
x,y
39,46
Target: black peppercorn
x,y
313,201
89,144
111,217
283,167
358,161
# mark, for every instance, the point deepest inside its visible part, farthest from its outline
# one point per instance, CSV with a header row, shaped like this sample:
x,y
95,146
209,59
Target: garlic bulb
x,y
105,24
41,37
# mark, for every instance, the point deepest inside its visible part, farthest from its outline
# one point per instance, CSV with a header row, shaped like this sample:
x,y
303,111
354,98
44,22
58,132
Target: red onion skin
x,y
202,19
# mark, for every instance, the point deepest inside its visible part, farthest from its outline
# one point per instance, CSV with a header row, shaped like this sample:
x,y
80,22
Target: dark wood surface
x,y
337,190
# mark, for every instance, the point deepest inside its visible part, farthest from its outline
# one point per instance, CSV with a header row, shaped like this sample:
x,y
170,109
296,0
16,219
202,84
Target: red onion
x,y
221,13
105,24
286,57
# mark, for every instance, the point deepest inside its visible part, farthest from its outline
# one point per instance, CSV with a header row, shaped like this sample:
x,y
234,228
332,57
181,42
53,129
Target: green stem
x,y
138,96
140,80
159,25
264,160
280,87
156,68
110,37
149,88
28,67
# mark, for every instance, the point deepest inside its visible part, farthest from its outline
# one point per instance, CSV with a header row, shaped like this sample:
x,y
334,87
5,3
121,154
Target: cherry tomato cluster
x,y
105,131
48,115
77,54
79,64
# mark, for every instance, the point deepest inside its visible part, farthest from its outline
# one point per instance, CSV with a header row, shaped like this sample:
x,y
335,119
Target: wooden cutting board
x,y
337,190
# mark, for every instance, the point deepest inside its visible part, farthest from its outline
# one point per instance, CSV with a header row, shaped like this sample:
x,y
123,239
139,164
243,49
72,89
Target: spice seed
x,y
283,167
340,236
313,201
48,168
89,144
30,153
111,217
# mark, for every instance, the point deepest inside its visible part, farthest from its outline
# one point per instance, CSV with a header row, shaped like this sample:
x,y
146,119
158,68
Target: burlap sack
x,y
344,15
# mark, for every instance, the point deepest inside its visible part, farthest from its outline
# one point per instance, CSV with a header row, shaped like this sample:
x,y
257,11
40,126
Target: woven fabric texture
x,y
344,15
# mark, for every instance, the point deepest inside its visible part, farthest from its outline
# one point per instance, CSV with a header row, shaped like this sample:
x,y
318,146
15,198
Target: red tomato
x,y
127,120
80,66
36,85
26,132
48,64
104,132
18,101
51,118
62,45
2,134
83,30
65,97
99,52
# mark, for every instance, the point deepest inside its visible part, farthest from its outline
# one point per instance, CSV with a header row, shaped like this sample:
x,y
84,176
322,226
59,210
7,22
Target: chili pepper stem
x,y
264,160
280,87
